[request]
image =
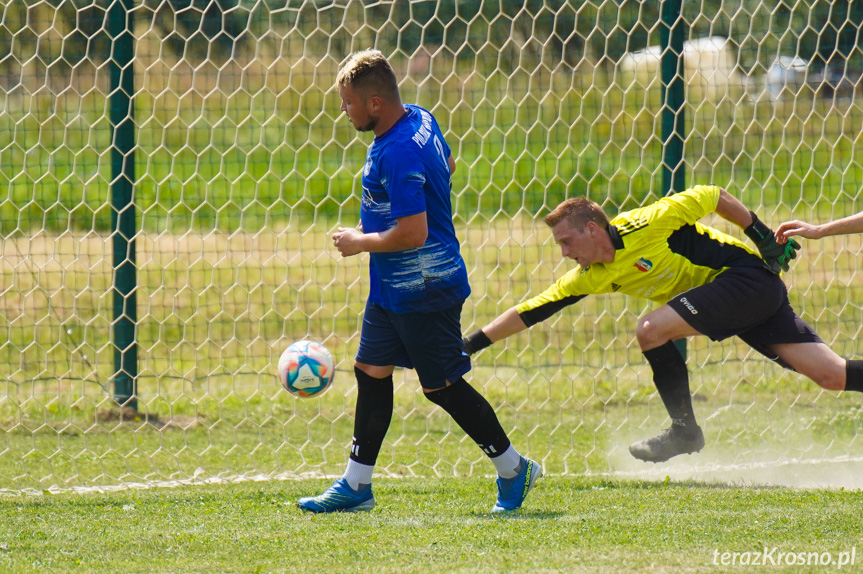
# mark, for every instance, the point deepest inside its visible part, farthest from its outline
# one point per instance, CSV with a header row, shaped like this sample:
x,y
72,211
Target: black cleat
x,y
671,442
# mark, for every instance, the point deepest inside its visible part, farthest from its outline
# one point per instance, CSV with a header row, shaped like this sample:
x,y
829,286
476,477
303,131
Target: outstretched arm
x,y
775,255
509,323
844,226
520,317
733,210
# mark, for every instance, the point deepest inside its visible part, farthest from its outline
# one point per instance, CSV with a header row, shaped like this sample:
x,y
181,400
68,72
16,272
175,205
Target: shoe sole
x,y
361,507
647,458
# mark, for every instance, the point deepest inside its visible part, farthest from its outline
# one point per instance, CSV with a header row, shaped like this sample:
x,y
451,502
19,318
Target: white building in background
x,y
786,75
710,68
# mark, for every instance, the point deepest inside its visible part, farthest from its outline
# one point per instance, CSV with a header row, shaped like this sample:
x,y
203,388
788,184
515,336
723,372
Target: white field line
x,y
197,480
653,472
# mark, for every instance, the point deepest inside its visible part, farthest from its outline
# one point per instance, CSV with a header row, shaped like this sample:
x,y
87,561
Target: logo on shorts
x,y
644,264
615,287
689,305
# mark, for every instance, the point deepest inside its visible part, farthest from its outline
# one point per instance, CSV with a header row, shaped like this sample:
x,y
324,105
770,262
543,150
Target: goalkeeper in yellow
x,y
708,283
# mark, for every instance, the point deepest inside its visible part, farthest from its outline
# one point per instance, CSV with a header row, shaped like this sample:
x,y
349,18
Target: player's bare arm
x,y
508,323
408,233
732,209
844,226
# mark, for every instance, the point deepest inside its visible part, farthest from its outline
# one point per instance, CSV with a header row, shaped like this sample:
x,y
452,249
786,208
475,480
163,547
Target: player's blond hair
x,y
369,74
577,211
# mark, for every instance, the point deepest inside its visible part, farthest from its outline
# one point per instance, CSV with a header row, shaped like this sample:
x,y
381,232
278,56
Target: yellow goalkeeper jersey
x,y
661,251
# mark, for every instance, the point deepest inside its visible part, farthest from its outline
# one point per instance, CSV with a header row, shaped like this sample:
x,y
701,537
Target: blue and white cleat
x,y
511,492
340,497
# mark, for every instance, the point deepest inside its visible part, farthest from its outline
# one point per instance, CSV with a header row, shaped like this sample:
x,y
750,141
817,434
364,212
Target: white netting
x,y
244,166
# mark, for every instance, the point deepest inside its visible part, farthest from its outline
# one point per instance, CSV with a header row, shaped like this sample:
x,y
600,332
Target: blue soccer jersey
x,y
406,173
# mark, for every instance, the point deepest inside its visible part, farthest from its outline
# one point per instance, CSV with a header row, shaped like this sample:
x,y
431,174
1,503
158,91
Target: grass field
x,y
574,393
241,173
422,525
218,309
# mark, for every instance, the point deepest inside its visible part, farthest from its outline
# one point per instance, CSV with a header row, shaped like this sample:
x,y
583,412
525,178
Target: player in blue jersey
x,y
417,285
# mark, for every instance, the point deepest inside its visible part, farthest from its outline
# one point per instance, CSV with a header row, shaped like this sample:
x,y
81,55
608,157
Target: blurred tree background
x,y
820,31
234,107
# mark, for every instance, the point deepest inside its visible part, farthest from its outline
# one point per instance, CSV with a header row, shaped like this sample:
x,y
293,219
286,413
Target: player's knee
x,y
430,393
647,333
830,380
829,377
374,371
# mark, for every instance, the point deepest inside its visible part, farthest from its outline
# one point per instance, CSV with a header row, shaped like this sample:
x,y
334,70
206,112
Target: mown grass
x,y
421,525
237,189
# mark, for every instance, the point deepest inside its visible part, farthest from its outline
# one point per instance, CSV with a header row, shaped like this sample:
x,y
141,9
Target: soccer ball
x,y
306,369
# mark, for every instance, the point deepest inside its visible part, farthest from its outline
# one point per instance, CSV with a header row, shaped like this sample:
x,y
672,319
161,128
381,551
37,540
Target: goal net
x,y
243,166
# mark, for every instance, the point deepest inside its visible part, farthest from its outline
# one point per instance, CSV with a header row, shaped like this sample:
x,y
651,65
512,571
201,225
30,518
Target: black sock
x,y
854,375
672,383
473,414
373,415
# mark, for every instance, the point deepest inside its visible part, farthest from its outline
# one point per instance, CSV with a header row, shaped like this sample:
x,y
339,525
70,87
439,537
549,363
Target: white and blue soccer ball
x,y
306,369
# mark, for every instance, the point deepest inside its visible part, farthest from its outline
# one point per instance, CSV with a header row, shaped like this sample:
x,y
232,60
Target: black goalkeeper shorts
x,y
748,302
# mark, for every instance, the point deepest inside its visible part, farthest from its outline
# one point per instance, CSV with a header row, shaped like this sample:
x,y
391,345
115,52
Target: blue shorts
x,y
430,343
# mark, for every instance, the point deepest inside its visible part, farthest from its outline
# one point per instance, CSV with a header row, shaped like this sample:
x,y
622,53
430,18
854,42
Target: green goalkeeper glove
x,y
776,255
